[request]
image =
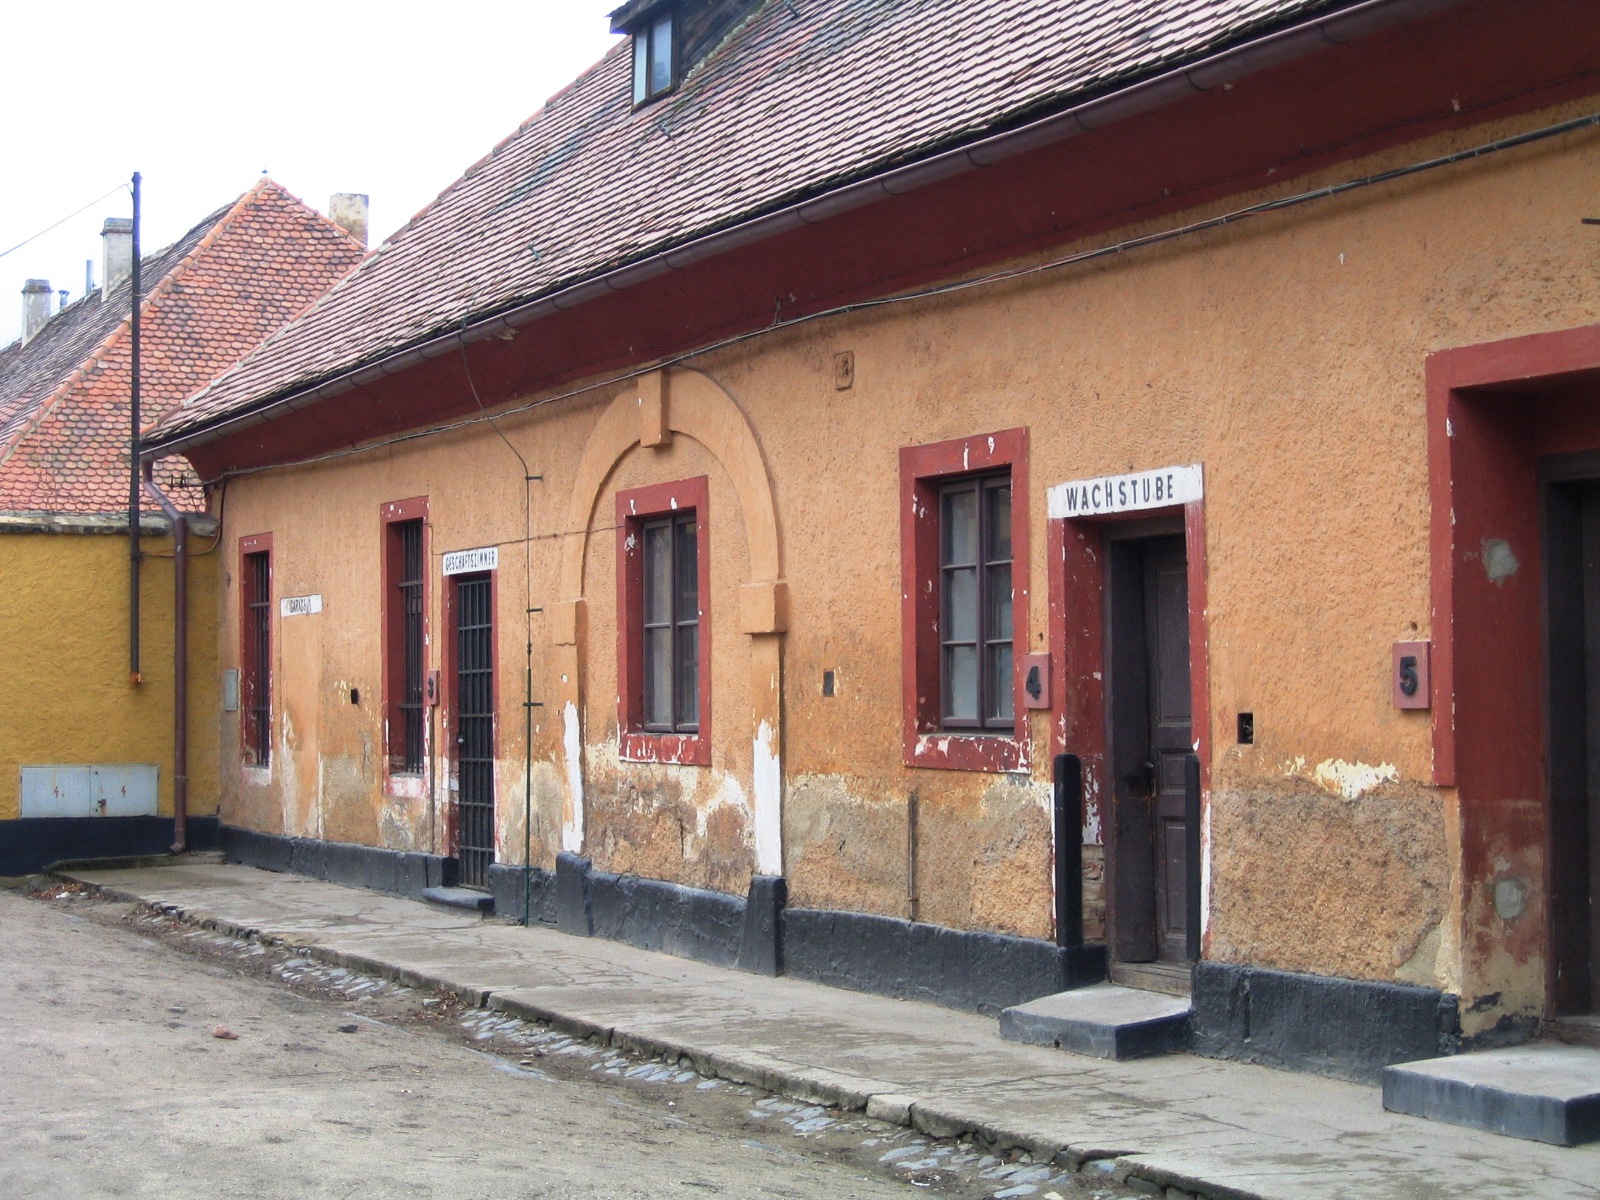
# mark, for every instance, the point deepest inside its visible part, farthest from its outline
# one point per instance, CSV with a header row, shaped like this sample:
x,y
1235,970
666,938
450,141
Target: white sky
x,y
200,97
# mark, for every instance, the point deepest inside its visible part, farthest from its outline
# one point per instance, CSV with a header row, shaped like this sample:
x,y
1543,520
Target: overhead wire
x,y
780,324
76,212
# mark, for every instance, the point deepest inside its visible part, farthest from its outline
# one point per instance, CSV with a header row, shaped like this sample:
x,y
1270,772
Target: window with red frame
x,y
663,623
404,655
964,601
255,654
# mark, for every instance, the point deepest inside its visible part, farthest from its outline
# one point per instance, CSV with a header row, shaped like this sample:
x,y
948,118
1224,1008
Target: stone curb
x,y
815,1085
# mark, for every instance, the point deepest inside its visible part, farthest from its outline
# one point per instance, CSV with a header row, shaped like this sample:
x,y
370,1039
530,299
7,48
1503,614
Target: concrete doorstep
x,y
1198,1127
1546,1093
1102,1021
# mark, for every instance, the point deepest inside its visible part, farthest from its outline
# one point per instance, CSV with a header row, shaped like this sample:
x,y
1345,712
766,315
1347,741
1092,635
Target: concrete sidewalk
x,y
1192,1124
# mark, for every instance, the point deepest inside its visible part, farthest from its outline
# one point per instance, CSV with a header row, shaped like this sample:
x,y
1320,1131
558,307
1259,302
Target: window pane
x,y
999,515
998,622
1000,697
641,66
657,574
661,55
960,527
687,571
961,605
688,678
961,682
658,676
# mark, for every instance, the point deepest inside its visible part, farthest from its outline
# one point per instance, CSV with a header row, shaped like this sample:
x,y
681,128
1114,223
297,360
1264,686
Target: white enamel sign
x,y
459,562
300,606
1106,494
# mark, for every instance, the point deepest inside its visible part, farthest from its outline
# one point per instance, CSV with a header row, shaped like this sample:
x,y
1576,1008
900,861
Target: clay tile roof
x,y
800,98
210,298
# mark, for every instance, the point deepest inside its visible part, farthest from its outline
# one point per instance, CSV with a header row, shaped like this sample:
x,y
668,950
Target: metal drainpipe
x,y
135,554
180,663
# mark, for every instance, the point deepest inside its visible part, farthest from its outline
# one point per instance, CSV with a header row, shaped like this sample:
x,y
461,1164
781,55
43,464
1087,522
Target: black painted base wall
x,y
651,914
32,844
982,972
1347,1028
396,872
511,887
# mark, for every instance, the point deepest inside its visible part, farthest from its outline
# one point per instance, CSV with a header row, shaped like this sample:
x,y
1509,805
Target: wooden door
x,y
1150,735
1166,590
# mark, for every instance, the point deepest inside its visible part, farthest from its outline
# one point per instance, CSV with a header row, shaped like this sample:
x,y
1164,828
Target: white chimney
x,y
35,307
348,210
117,258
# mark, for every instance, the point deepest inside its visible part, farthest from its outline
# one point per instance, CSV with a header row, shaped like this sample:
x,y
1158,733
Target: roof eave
x,y
1141,96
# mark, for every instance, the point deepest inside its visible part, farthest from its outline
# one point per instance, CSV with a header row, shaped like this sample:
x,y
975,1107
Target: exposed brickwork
x,y
211,298
800,99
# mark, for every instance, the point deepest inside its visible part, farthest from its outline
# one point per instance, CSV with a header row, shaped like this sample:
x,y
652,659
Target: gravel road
x,y
144,1058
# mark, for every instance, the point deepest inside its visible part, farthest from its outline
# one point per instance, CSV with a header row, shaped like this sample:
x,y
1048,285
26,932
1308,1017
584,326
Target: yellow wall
x,y
1285,354
64,678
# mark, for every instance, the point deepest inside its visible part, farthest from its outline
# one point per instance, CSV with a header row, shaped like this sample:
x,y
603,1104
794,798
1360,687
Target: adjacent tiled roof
x,y
800,98
31,372
210,298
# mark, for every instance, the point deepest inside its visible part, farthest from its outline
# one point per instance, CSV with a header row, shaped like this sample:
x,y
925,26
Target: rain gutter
x,y
1179,83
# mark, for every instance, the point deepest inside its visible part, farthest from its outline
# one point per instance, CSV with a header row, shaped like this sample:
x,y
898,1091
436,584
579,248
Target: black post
x,y
135,554
1069,849
1191,853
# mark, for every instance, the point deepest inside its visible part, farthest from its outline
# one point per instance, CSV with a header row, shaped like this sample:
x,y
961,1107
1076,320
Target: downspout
x,y
180,663
135,554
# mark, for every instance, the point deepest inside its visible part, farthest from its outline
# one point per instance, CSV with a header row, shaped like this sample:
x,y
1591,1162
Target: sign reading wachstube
x,y
1106,494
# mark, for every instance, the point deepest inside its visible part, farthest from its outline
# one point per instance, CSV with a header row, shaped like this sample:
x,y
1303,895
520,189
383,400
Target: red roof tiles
x,y
802,98
211,298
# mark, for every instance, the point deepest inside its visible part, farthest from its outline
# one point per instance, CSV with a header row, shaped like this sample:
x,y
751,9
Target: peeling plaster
x,y
572,829
1499,563
768,778
1093,834
1205,872
1352,780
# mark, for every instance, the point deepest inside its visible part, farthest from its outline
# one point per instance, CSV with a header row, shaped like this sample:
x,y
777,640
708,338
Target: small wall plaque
x,y
1410,676
1036,681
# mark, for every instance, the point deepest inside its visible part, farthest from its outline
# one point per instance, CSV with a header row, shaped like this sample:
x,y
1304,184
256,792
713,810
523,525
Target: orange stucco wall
x,y
1285,354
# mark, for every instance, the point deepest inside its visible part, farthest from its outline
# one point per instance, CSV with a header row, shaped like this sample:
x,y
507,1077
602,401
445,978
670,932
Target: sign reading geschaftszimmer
x,y
460,562
1106,494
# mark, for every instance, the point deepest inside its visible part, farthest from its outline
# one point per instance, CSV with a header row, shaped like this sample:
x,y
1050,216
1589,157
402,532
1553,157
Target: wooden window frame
x,y
636,508
255,651
989,689
395,683
925,471
644,52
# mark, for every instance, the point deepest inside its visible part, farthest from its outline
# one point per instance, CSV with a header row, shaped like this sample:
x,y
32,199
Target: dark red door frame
x,y
1494,410
1076,549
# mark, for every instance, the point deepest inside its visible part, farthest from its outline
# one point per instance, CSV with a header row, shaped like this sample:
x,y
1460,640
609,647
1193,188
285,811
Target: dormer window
x,y
671,37
654,65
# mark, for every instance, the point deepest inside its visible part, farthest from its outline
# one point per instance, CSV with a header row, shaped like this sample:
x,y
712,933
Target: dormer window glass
x,y
654,72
